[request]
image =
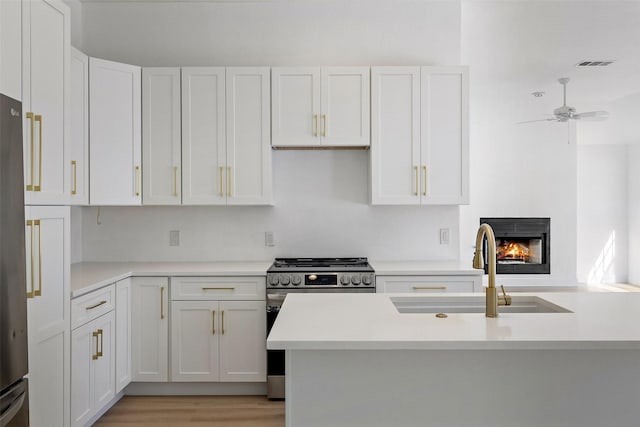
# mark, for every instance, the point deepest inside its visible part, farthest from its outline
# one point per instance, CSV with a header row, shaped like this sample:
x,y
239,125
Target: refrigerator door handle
x,y
12,410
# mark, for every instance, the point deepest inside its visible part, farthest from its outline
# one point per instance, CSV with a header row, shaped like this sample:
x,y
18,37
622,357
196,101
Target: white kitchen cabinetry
x,y
123,334
226,156
320,107
149,329
428,284
79,128
161,147
218,335
48,273
11,49
419,137
92,367
45,101
115,173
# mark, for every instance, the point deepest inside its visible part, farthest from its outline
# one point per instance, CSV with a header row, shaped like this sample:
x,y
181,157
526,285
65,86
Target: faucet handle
x,y
505,299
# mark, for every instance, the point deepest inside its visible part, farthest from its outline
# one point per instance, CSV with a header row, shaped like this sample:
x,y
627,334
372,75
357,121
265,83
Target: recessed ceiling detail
x,y
594,63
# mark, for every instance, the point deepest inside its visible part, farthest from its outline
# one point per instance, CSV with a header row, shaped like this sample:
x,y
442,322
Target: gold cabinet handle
x,y
162,303
315,125
424,180
30,293
324,125
415,169
175,181
229,187
137,180
38,292
218,289
38,118
222,327
91,307
101,342
74,166
95,356
213,322
29,116
429,288
221,178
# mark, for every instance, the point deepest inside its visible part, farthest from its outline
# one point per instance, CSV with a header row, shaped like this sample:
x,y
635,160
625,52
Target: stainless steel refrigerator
x,y
14,401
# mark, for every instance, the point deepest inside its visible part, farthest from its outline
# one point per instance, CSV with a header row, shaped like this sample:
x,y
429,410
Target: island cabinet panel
x,y
420,135
149,329
428,284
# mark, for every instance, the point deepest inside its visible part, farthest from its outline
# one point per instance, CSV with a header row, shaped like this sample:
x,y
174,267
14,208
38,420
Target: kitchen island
x,y
355,360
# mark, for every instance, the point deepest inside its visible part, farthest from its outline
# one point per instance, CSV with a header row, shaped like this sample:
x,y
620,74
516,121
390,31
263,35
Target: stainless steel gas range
x,y
307,275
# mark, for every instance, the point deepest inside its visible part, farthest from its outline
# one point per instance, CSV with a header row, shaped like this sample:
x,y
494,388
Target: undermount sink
x,y
472,304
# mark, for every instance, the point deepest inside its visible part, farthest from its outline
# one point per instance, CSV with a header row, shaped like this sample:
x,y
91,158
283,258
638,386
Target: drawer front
x,y
424,284
218,288
92,305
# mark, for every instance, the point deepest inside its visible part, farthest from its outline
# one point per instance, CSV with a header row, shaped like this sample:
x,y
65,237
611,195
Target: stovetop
x,y
320,264
321,274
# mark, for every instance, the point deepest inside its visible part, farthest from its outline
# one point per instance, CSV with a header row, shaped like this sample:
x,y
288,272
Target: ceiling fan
x,y
566,113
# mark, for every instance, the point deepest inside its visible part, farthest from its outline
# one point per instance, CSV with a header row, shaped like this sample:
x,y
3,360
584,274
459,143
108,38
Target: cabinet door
x,y
114,133
295,106
83,351
123,334
45,96
445,135
248,132
195,328
345,106
103,369
48,309
243,354
149,329
79,128
203,136
395,135
161,148
11,49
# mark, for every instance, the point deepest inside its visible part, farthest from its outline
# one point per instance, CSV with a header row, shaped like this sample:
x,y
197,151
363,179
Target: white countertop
x,y
89,276
417,268
371,322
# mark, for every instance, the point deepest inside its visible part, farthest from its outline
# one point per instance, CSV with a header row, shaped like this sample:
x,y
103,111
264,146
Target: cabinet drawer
x,y
218,288
92,305
425,284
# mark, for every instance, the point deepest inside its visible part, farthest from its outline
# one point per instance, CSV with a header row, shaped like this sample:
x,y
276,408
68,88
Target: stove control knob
x,y
355,279
344,280
366,280
273,280
296,280
284,280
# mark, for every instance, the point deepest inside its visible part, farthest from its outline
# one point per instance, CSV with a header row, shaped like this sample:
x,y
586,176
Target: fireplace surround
x,y
523,245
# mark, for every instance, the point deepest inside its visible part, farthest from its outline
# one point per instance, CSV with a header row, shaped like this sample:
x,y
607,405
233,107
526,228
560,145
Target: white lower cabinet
x,y
92,368
220,334
428,284
150,329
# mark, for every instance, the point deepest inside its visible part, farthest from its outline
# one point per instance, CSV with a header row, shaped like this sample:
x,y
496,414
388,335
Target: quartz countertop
x,y
417,268
371,322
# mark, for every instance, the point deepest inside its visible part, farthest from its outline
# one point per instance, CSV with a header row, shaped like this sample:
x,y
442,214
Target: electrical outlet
x,y
444,236
269,238
174,238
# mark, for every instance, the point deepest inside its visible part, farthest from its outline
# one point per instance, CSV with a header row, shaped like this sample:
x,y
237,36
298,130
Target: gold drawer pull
x,y
162,303
229,181
222,329
415,169
324,125
38,292
101,342
38,118
213,322
74,166
137,180
91,307
31,294
424,178
221,178
429,288
95,356
29,116
175,181
218,289
315,125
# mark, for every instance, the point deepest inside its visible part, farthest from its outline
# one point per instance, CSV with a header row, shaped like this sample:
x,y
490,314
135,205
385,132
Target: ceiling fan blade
x,y
593,116
533,121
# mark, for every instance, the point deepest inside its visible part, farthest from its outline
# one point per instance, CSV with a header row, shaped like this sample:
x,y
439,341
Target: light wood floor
x,y
192,411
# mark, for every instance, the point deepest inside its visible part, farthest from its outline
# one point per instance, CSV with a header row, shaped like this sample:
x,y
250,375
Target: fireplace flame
x,y
512,251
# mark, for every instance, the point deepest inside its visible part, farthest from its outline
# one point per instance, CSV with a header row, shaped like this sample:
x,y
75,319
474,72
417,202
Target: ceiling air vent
x,y
594,63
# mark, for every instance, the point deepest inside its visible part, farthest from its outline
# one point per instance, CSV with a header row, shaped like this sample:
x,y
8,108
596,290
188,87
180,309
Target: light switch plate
x,y
269,238
444,236
174,238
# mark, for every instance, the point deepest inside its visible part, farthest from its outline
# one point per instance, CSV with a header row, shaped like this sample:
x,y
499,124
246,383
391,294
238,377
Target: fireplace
x,y
522,245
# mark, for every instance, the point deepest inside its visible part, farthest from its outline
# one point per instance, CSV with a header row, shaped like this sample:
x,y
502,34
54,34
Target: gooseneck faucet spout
x,y
478,262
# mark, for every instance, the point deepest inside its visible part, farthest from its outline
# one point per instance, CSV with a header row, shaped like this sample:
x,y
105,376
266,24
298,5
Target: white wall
x,y
602,214
634,214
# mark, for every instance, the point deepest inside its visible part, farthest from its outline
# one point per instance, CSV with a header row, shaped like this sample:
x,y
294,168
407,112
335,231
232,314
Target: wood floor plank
x,y
194,411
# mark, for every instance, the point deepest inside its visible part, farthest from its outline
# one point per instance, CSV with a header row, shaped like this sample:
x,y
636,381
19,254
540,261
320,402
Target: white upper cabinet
x,y
419,137
161,147
203,136
11,49
45,101
248,148
114,134
320,107
79,129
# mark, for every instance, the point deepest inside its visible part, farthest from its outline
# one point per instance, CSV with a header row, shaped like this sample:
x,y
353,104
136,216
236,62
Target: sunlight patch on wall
x,y
603,270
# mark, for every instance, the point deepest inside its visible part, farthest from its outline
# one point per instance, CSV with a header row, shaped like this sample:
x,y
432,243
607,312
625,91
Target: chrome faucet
x,y
493,301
